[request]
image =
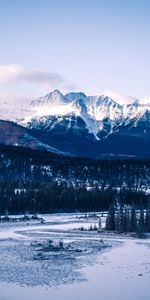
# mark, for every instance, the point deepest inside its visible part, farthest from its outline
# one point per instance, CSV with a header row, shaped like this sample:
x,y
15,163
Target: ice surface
x,y
89,265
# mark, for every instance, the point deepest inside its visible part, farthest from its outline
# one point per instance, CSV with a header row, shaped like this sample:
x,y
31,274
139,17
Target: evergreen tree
x,y
122,225
147,221
128,220
133,221
110,219
99,224
117,220
141,223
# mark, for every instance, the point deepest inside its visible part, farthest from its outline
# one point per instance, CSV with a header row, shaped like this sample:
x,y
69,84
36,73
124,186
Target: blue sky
x,y
86,45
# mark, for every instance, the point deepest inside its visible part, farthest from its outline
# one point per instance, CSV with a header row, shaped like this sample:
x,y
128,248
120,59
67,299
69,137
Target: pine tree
x,y
110,219
141,223
99,224
117,220
133,221
128,220
122,225
147,221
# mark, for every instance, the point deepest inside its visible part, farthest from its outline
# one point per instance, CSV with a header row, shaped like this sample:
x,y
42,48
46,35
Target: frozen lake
x,y
58,260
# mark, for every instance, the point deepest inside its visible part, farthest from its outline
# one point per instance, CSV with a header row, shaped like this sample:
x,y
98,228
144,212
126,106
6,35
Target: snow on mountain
x,y
14,111
93,110
120,99
52,104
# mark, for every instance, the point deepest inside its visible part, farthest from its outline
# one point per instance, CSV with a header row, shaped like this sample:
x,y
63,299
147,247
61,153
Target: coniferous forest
x,y
34,181
128,220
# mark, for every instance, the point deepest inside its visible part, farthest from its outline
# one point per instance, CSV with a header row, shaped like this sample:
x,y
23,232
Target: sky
x,y
74,45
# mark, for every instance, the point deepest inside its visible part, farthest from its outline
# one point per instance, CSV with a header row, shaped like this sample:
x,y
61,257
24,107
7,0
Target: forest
x,y
41,182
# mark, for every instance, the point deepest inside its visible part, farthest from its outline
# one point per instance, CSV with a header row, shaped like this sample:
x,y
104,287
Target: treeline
x,y
36,181
52,197
26,165
39,197
128,220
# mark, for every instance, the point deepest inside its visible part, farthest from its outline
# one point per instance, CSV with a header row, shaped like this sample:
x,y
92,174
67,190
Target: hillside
x,y
41,181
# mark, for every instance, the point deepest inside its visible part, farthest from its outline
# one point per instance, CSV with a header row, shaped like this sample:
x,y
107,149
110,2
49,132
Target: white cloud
x,y
16,83
16,73
43,78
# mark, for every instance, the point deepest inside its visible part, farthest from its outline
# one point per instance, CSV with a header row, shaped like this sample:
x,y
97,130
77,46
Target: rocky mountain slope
x,y
95,126
15,135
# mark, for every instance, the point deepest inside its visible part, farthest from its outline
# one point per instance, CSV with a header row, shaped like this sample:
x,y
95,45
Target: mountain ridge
x,y
93,110
83,125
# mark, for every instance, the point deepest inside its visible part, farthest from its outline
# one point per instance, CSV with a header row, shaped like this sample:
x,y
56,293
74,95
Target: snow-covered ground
x,y
75,265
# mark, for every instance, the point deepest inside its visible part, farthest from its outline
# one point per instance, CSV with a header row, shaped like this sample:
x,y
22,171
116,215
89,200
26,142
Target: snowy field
x,y
57,260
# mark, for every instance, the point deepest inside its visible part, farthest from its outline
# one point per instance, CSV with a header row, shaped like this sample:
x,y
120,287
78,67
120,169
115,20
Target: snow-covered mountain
x,y
65,121
93,110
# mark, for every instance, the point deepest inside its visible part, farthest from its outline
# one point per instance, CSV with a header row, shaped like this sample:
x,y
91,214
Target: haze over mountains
x,y
108,125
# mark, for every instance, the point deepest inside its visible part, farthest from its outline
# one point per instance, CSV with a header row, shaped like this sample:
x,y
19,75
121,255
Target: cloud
x,y
18,84
10,74
43,78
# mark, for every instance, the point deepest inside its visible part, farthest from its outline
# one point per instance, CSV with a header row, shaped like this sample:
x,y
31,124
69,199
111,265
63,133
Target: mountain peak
x,y
93,110
56,93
